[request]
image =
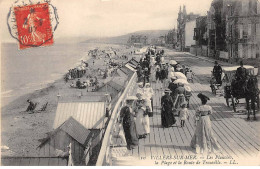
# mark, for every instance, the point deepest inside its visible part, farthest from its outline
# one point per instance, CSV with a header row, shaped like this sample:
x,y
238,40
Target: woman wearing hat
x,y
167,118
203,139
127,118
148,95
179,96
142,118
140,88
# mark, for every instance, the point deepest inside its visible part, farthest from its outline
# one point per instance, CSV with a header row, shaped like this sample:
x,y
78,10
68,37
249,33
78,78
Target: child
x,y
183,114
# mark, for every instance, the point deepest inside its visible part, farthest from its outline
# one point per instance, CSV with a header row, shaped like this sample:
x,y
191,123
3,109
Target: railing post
x,y
104,154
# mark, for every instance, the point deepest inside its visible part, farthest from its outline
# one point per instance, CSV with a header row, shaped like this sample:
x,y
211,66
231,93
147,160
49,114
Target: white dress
x,y
142,122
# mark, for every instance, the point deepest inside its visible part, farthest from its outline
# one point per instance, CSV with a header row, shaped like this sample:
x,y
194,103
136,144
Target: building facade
x,y
171,38
243,35
182,20
137,40
200,37
160,41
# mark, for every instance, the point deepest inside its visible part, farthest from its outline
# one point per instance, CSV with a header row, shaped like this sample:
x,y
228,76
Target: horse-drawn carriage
x,y
214,85
234,90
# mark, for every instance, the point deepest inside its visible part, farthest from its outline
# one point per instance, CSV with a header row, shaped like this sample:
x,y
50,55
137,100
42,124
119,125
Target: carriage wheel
x,y
233,103
258,101
227,101
213,89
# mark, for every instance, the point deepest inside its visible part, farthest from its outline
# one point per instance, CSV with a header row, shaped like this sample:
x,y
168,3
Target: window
x,y
240,29
240,50
258,30
245,5
258,7
249,51
249,29
245,32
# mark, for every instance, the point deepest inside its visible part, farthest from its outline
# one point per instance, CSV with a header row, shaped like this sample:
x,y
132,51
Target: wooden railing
x,y
104,154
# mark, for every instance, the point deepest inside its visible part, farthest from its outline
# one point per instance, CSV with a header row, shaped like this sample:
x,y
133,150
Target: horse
x,y
251,94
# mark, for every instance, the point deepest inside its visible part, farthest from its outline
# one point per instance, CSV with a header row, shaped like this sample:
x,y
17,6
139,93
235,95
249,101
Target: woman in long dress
x,y
179,96
203,139
127,119
148,94
167,117
142,118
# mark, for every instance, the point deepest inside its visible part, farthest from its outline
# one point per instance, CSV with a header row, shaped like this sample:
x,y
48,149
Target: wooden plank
x,y
168,138
156,126
34,161
141,150
25,162
242,148
63,162
180,139
243,132
53,162
15,162
175,141
44,162
222,135
246,139
161,131
6,161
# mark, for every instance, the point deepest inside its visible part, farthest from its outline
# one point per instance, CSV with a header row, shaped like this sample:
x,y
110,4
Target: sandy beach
x,y
21,130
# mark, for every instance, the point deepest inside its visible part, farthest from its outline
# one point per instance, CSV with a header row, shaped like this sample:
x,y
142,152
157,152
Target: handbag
x,y
149,113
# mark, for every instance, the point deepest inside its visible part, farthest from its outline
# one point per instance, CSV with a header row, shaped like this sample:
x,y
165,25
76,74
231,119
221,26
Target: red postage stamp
x,y
33,25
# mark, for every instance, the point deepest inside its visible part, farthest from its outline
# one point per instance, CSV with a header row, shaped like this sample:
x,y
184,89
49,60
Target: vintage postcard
x,y
130,82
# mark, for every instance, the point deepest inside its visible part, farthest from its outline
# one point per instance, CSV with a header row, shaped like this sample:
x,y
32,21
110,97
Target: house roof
x,y
34,161
75,130
129,66
90,114
115,85
127,71
119,80
89,97
122,73
133,61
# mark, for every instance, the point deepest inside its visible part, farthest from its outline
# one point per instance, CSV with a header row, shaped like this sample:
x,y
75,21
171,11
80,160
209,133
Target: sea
x,y
24,71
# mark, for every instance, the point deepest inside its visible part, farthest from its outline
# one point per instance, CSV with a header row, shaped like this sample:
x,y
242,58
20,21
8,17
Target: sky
x,y
104,18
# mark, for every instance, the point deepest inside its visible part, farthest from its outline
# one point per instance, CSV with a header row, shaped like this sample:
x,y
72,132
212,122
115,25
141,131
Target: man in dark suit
x,y
241,73
217,72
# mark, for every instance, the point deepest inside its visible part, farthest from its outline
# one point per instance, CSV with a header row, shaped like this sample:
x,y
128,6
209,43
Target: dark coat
x,y
167,117
129,126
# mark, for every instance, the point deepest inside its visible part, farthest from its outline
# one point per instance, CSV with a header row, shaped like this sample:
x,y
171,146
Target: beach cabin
x,y
70,133
81,124
125,72
113,87
133,63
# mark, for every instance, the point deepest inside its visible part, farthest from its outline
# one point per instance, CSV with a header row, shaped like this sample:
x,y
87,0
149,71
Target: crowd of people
x,y
134,116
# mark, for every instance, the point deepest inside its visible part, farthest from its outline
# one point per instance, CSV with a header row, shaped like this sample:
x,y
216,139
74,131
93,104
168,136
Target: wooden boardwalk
x,y
235,135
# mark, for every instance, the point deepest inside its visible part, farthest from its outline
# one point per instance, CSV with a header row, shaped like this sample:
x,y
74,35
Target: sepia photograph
x,y
130,82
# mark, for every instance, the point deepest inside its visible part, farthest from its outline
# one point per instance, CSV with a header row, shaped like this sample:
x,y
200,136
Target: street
x,y
237,137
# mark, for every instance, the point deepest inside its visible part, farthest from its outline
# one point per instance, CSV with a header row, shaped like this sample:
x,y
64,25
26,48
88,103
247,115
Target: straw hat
x,y
167,91
131,98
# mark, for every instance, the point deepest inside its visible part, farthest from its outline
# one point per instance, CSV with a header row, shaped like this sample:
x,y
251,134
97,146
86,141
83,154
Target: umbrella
x,y
173,62
187,88
183,81
180,75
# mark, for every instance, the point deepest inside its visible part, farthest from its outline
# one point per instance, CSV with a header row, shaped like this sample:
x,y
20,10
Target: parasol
x,y
182,81
180,75
187,88
173,62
